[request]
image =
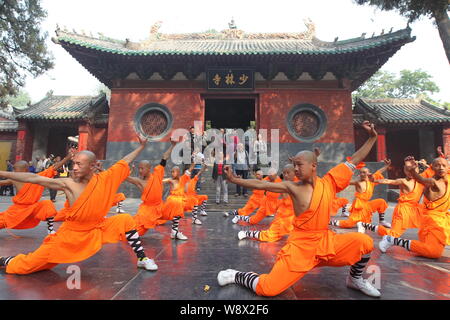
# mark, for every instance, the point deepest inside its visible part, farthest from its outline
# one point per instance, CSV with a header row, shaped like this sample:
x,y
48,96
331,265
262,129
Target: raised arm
x,y
6,182
396,182
25,177
411,165
201,170
362,153
68,157
387,164
132,155
278,187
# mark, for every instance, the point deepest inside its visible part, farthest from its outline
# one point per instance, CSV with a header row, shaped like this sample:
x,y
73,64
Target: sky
x,y
132,19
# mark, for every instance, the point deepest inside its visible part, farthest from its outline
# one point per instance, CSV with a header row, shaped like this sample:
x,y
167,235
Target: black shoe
x,y
5,260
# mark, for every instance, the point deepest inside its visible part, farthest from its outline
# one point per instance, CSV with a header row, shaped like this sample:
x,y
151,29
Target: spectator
x,y
31,167
241,167
9,189
199,160
60,173
40,164
49,161
219,177
260,147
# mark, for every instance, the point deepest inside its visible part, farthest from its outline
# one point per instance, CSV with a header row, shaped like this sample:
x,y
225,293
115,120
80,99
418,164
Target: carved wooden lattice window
x,y
153,120
154,123
305,124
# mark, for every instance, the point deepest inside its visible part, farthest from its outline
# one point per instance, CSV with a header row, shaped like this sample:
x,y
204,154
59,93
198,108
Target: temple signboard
x,y
230,79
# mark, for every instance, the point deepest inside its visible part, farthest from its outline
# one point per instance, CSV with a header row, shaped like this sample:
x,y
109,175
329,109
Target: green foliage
x,y
22,45
410,84
21,100
412,9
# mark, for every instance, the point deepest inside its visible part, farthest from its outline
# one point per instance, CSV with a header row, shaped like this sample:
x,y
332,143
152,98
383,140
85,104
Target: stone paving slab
x,y
186,267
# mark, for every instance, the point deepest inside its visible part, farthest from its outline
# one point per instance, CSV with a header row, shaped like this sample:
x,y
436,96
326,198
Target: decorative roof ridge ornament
x,y
232,33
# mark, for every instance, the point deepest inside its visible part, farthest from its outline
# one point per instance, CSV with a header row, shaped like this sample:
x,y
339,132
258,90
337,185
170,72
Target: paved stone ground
x,y
186,267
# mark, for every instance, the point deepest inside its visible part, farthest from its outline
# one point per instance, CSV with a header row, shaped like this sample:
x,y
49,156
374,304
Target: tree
x,y
385,84
22,45
413,9
20,100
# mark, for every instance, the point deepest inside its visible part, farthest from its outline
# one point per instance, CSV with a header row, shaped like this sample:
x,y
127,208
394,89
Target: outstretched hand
x,y
142,141
317,151
387,162
229,173
370,128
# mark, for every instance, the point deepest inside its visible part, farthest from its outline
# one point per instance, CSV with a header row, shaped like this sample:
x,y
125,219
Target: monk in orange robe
x,y
362,207
195,202
269,203
253,203
282,223
434,231
176,201
27,211
85,228
408,212
150,183
311,244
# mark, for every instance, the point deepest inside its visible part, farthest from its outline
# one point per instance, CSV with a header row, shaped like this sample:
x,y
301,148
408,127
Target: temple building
x,y
44,127
405,127
293,82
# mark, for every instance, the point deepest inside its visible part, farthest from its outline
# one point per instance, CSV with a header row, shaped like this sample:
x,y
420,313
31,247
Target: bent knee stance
x,y
428,250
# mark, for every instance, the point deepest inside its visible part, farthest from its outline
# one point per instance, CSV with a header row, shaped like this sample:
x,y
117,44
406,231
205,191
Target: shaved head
x,y
307,155
440,166
21,166
289,172
440,160
289,167
145,163
89,155
272,171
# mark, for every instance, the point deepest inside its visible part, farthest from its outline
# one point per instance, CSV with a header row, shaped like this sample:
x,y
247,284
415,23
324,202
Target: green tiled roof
x,y
62,108
400,111
242,46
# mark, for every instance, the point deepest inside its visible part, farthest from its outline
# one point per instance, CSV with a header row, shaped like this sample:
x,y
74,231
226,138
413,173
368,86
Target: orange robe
x,y
27,211
311,244
434,232
407,213
337,204
150,210
282,223
85,229
253,203
268,206
192,198
61,214
175,202
363,207
118,198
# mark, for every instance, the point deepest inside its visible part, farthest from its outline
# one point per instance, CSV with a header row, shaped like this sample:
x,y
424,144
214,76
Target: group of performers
x,y
301,203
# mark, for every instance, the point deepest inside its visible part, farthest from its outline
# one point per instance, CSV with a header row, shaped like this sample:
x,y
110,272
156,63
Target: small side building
x,y
405,127
44,127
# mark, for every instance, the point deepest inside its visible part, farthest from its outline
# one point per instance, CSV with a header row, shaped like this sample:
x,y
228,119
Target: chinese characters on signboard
x,y
230,79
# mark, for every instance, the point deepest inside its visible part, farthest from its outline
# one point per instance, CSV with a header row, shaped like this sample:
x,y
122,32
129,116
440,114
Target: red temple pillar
x,y
24,143
446,140
83,135
381,144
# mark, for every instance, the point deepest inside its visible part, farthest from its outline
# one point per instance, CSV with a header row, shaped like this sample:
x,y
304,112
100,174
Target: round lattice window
x,y
306,122
153,121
